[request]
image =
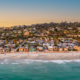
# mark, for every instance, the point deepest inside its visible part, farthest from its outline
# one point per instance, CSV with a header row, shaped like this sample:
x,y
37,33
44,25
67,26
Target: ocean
x,y
28,69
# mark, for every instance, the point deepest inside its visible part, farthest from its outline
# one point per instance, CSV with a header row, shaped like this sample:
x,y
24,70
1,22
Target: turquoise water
x,y
39,70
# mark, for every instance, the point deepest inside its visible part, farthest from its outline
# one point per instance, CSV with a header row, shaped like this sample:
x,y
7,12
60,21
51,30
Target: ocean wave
x,y
28,61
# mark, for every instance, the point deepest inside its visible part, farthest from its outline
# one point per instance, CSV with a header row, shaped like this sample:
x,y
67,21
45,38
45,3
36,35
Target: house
x,y
1,50
65,44
46,44
19,31
25,30
60,48
7,34
78,28
58,28
52,29
1,42
50,48
55,48
26,45
62,39
26,33
3,34
51,42
40,41
30,39
17,42
21,49
69,28
7,50
39,48
32,42
26,49
45,48
47,32
20,40
12,45
77,47
32,49
65,31
65,48
70,44
71,35
10,32
46,40
12,50
14,31
7,45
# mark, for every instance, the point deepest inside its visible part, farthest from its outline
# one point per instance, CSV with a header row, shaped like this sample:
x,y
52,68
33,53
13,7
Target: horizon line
x,y
40,23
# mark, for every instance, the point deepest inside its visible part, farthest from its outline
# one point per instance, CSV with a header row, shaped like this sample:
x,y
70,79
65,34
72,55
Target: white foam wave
x,y
5,61
15,63
28,61
57,61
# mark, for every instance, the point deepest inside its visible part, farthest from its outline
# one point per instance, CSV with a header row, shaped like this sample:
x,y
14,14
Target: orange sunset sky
x,y
27,12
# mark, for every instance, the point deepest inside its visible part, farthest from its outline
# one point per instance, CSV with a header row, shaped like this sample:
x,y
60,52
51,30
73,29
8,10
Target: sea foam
x,y
28,61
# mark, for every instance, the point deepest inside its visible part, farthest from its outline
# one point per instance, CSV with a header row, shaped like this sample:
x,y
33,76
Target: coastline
x,y
69,55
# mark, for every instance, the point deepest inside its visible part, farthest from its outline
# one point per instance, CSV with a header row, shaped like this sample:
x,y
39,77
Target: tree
x,y
55,42
15,41
6,40
76,31
17,50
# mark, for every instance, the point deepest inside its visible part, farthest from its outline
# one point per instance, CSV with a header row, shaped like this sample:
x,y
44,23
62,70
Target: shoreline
x,y
42,55
45,52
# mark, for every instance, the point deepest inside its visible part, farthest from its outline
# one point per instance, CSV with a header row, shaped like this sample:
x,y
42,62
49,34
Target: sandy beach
x,y
42,55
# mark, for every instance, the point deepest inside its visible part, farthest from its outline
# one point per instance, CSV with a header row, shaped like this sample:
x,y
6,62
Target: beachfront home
x,y
55,48
32,49
26,49
7,50
39,48
77,47
1,50
45,48
21,49
60,48
65,48
50,48
12,50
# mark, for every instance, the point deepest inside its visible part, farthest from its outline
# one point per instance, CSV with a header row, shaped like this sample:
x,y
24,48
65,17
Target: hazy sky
x,y
26,12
